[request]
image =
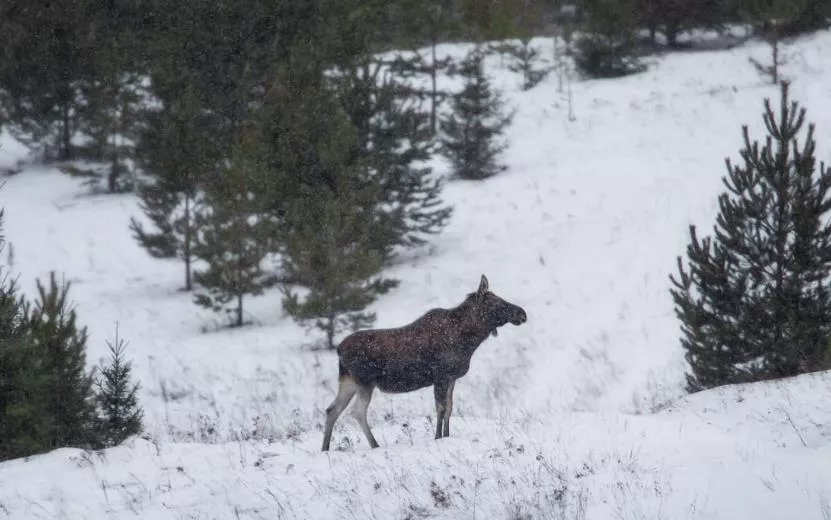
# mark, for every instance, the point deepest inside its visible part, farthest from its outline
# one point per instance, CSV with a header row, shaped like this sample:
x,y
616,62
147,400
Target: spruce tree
x,y
472,139
606,49
754,301
425,22
60,345
813,15
236,231
526,60
119,415
46,397
177,153
24,425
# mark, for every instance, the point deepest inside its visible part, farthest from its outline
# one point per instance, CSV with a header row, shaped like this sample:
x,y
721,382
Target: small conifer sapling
x,y
119,415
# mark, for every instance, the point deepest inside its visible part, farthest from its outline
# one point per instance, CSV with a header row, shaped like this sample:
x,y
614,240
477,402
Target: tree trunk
x,y
570,104
113,129
435,93
112,180
186,254
65,148
239,310
330,330
671,32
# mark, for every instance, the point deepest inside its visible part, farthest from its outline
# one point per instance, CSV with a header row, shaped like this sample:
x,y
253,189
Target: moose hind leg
x,y
359,412
346,390
440,395
448,408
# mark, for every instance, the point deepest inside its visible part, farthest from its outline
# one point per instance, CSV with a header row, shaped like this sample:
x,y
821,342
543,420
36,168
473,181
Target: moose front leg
x,y
440,389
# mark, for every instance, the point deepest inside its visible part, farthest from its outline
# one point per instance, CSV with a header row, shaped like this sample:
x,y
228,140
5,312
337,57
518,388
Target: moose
x,y
433,350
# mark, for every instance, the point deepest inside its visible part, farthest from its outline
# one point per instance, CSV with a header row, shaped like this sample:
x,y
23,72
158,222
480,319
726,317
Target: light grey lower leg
x,y
448,408
359,412
346,389
440,395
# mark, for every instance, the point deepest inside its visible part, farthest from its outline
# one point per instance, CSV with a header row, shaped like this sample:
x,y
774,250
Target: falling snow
x,y
579,413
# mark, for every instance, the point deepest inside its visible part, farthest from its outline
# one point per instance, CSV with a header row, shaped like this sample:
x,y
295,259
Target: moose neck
x,y
473,329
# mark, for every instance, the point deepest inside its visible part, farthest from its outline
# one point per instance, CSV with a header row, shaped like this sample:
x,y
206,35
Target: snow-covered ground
x,y
579,413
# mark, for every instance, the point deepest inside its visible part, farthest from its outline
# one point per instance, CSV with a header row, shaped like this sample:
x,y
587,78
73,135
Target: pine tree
x,y
61,346
67,73
110,118
395,144
46,57
111,94
772,18
472,132
671,17
331,219
488,21
177,152
226,52
119,415
417,65
331,250
754,302
236,231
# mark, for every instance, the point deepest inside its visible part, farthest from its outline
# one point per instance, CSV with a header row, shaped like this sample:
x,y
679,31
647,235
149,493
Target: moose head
x,y
495,311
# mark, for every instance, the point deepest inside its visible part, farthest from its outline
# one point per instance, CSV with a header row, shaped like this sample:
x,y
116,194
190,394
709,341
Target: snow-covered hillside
x,y
567,416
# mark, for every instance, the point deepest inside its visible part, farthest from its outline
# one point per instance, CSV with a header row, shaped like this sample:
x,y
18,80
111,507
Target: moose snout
x,y
519,317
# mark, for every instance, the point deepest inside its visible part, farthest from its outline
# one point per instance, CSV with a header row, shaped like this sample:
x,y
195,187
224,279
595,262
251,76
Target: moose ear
x,y
483,286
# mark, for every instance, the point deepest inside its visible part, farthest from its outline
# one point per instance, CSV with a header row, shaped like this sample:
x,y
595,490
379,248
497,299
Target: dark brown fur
x,y
434,350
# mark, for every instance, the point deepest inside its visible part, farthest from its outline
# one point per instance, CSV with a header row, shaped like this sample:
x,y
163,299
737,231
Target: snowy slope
x,y
582,231
729,454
